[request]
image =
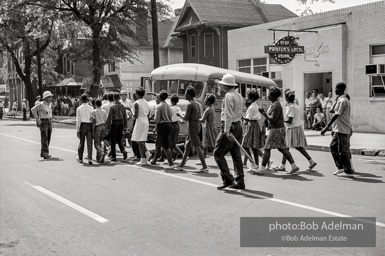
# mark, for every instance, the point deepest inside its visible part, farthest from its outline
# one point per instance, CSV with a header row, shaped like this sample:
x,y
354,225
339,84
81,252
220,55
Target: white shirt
x,y
252,112
83,115
292,110
323,102
107,107
127,103
231,109
174,111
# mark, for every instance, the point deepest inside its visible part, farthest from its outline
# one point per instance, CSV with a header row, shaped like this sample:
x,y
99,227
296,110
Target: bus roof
x,y
201,72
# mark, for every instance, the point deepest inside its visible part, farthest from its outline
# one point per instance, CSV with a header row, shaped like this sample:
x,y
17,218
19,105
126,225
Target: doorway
x,y
322,82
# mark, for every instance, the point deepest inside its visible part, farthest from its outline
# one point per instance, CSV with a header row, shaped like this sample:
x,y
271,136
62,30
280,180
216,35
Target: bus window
x,y
264,95
198,86
160,85
173,86
254,86
243,90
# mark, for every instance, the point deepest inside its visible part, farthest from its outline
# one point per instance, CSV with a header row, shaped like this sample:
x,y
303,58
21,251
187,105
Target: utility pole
x,y
155,38
39,68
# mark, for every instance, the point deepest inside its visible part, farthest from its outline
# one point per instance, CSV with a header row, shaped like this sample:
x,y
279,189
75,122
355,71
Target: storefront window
x,y
377,83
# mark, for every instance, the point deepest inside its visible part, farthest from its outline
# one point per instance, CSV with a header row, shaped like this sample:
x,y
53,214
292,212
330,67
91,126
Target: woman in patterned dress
x,y
277,136
210,133
193,115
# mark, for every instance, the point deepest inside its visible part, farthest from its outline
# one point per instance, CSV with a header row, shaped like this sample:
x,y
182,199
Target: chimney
x,y
178,11
141,27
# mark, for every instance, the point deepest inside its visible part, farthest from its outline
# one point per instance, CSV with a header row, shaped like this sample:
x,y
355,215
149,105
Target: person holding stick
x,y
231,130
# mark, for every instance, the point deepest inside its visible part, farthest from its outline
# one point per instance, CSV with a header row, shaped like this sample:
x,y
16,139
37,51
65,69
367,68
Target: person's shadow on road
x,y
248,193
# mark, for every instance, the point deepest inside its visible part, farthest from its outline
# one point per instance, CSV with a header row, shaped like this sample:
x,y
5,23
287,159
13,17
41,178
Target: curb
x,y
354,151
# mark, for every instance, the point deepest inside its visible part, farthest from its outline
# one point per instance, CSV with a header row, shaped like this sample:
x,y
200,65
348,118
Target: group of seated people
x,y
319,120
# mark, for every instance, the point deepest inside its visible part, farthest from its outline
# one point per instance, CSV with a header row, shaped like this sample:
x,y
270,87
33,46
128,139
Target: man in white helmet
x,y
231,130
42,111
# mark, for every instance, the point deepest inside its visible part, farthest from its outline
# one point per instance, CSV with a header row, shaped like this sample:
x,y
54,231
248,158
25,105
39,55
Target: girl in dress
x,y
174,134
277,136
210,133
140,132
253,138
192,116
295,135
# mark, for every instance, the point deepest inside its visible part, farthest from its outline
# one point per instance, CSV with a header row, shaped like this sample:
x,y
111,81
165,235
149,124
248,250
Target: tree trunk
x,y
96,63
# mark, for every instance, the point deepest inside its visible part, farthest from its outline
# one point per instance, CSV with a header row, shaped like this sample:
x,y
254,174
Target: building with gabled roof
x,y
203,26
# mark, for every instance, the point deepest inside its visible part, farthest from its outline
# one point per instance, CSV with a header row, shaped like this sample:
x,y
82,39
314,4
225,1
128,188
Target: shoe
x,y
141,163
312,165
279,169
90,162
124,155
202,170
338,171
114,160
259,172
79,160
344,174
165,162
238,186
293,170
101,160
224,186
269,164
253,167
170,167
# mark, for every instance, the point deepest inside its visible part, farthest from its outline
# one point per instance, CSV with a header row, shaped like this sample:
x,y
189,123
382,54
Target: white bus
x,y
176,77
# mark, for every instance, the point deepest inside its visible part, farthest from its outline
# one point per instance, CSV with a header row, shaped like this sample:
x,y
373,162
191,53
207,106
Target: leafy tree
x,y
308,10
106,25
20,26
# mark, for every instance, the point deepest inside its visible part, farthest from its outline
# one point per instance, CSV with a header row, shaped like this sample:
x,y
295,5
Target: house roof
x,y
232,13
165,30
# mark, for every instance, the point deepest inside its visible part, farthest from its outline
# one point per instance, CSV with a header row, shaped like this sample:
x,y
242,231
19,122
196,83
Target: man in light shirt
x,y
341,131
231,130
99,118
43,114
127,103
84,128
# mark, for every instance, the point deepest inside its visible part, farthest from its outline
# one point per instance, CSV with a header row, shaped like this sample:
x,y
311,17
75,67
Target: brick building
x,y
338,47
204,24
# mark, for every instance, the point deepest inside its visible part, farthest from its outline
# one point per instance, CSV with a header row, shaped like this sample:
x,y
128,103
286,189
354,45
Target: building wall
x,y
341,46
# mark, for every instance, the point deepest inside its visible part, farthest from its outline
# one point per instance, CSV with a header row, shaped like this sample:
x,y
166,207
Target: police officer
x,y
43,114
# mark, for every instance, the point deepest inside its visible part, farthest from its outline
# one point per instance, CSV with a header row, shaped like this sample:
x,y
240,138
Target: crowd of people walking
x,y
115,120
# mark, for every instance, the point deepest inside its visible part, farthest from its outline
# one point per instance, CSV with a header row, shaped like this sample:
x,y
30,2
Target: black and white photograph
x,y
192,127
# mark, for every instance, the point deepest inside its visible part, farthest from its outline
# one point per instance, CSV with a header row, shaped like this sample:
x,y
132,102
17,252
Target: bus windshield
x,y
178,86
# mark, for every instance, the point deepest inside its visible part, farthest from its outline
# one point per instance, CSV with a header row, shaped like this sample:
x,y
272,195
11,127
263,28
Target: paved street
x,y
61,207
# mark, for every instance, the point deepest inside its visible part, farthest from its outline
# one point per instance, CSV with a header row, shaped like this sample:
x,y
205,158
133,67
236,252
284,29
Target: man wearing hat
x,y
24,107
43,114
231,130
127,103
37,100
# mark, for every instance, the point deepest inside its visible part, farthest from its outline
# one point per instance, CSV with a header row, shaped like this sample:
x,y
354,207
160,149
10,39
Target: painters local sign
x,y
284,50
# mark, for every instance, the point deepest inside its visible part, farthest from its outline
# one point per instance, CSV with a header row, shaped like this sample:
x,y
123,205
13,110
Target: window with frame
x,y
244,66
377,82
209,44
259,65
193,46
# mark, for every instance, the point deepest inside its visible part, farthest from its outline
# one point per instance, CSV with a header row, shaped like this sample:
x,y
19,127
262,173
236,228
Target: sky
x,y
293,5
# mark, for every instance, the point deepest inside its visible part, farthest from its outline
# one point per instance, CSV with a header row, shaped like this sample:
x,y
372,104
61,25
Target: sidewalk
x,y
369,144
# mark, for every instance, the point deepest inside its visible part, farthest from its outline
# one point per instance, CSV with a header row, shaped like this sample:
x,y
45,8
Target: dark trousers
x,y
85,132
339,147
24,114
1,113
99,134
222,147
45,136
135,149
116,137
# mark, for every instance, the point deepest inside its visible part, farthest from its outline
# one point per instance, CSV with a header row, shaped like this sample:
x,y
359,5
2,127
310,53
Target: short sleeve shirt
x,y
252,112
292,111
342,109
276,112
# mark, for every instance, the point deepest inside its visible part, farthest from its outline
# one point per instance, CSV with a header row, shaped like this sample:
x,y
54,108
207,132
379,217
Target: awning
x,y
72,81
111,81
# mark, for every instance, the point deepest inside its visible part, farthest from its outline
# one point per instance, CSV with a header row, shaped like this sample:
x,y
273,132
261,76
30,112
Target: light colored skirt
x,y
276,138
253,137
295,137
140,131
